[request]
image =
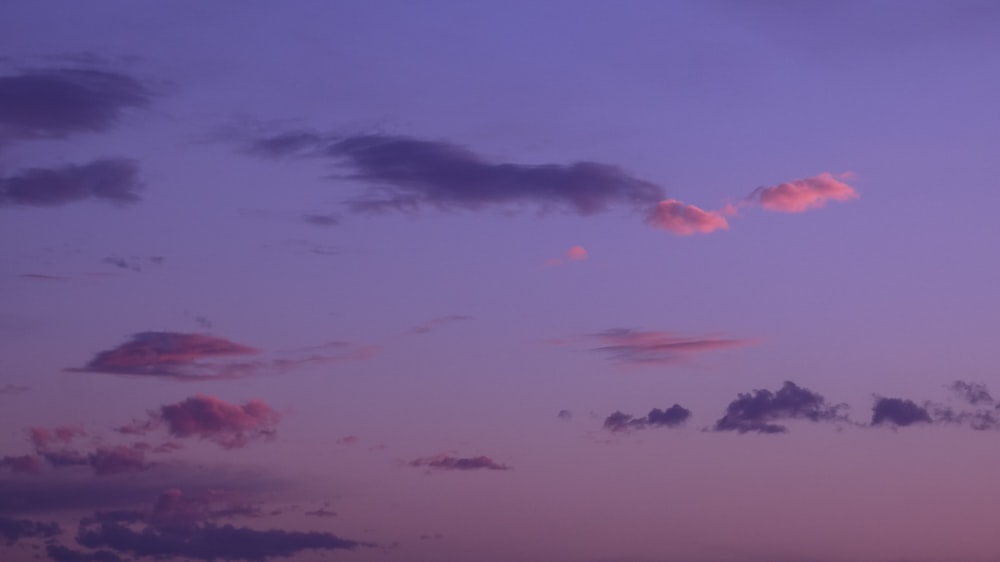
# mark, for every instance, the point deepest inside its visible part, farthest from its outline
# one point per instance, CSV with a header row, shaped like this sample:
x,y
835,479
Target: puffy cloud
x,y
212,419
169,354
112,180
671,417
804,194
448,462
43,437
407,174
636,347
55,103
898,412
685,220
757,411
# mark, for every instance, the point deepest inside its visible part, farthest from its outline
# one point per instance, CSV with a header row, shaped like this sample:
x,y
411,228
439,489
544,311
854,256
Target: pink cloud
x,y
804,194
636,347
168,354
685,220
117,460
42,437
228,425
575,253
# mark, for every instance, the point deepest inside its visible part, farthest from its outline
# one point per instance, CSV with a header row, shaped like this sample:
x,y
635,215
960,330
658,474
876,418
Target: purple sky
x,y
576,281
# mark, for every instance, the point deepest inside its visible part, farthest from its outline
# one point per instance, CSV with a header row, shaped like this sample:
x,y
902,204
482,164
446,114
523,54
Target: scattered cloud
x,y
898,412
671,417
22,464
639,348
212,419
41,277
132,263
58,102
759,410
801,195
974,393
169,354
112,180
408,174
43,437
13,530
329,219
208,541
685,220
448,462
575,253
13,389
321,512
432,324
565,415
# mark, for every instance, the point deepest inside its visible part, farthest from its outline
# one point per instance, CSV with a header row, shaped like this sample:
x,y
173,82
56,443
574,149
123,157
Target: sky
x,y
441,281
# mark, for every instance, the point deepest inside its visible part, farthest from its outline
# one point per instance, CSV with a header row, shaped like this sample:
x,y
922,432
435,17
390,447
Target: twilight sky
x,y
442,281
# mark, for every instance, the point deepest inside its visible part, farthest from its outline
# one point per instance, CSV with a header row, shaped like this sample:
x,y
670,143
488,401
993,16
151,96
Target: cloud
x,y
42,437
132,263
55,103
635,347
117,460
685,220
804,194
757,411
60,553
228,425
22,464
671,417
112,180
408,174
575,253
321,512
973,393
40,277
898,412
328,219
13,530
430,325
13,389
448,462
565,415
209,541
168,354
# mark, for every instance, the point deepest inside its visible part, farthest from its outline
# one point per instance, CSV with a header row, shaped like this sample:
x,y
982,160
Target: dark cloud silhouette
x,y
60,553
13,530
636,347
671,417
112,180
169,354
448,462
55,103
208,541
898,412
757,411
228,425
408,174
973,393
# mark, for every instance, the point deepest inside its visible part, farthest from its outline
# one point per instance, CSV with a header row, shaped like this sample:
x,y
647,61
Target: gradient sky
x,y
562,281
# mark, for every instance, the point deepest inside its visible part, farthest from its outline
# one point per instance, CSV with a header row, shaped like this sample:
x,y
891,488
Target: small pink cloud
x,y
685,220
576,253
801,195
448,462
228,425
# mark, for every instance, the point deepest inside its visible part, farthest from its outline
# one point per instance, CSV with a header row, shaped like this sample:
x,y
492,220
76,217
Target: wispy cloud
x,y
448,462
434,323
13,389
758,411
801,195
636,347
575,253
408,174
169,354
111,180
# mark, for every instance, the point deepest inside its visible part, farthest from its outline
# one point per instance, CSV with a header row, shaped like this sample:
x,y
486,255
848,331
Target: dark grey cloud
x,y
408,174
55,103
60,553
898,412
13,530
671,417
208,541
111,180
758,411
448,462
